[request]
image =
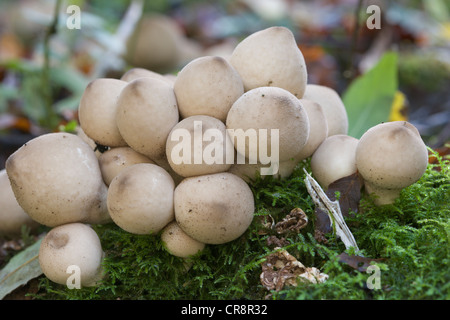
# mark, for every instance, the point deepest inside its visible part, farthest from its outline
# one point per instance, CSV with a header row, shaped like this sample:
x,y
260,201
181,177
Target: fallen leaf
x,y
23,267
357,262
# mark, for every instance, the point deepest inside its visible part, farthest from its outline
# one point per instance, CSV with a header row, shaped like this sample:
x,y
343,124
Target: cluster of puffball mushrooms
x,y
62,181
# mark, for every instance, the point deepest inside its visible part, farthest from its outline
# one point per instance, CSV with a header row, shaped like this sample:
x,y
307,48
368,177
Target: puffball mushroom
x,y
390,156
136,73
178,243
114,160
215,208
140,199
12,216
56,179
271,57
332,105
199,145
147,110
266,112
207,85
97,111
334,159
68,247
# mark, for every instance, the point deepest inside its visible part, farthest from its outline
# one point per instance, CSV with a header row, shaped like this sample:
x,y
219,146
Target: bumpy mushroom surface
x,y
271,57
332,105
12,216
56,179
215,208
273,111
391,156
199,145
178,243
72,248
97,111
140,199
114,160
334,159
207,85
147,110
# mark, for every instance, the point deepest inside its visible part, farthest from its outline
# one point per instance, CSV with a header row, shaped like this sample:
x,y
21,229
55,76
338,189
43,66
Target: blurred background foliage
x,y
45,66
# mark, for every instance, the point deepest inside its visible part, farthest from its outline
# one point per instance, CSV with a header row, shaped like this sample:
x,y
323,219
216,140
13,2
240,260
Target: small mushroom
x,y
72,249
114,160
12,216
147,110
199,145
209,86
178,243
332,105
271,57
140,199
56,179
215,208
390,156
334,159
268,111
97,111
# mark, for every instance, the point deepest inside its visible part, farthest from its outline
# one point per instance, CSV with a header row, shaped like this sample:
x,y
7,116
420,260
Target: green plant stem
x,y
50,118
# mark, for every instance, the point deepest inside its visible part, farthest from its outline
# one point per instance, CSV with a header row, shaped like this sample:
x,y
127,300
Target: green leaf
x,y
21,268
369,97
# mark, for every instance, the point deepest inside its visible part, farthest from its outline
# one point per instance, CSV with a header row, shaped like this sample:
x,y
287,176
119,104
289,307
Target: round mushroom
x,y
271,57
204,147
72,252
209,86
390,156
114,160
140,199
334,159
332,105
215,208
178,243
136,73
147,110
275,119
12,216
56,179
97,111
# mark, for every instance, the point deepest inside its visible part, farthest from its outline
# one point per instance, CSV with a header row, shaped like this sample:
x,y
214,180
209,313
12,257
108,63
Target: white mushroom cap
x,y
147,110
207,141
140,199
215,208
332,105
178,243
334,159
391,156
72,245
12,216
97,111
268,108
114,160
271,57
207,85
136,73
318,128
56,179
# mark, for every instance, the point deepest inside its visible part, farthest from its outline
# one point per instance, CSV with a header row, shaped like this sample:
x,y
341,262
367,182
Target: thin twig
x,y
50,114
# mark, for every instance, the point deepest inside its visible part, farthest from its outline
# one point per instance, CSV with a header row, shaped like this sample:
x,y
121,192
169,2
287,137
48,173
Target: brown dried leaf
x,y
293,222
356,262
281,268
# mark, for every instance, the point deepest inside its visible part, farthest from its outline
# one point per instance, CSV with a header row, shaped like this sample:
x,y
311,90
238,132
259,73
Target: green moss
x,y
411,236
